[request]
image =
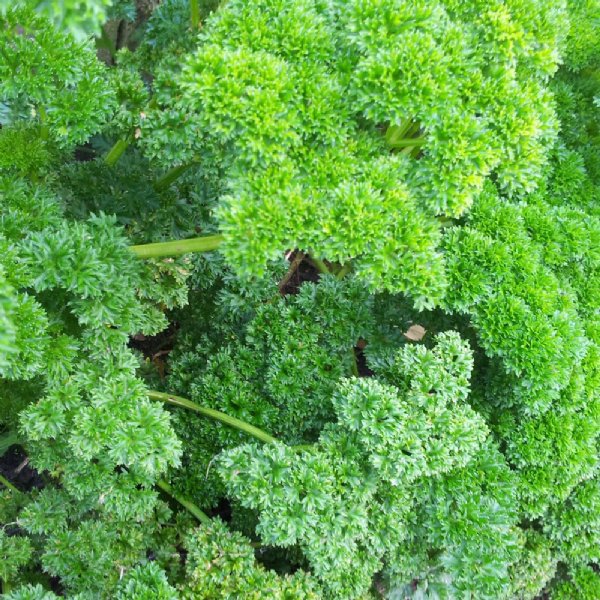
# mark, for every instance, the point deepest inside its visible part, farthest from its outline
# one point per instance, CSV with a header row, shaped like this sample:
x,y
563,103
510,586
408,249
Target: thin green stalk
x,y
7,484
178,247
409,142
414,152
187,504
170,176
195,13
8,439
211,413
302,447
397,132
320,265
115,153
412,130
354,363
346,268
44,131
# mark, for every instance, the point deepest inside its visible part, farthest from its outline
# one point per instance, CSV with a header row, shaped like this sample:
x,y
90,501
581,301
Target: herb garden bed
x,y
300,299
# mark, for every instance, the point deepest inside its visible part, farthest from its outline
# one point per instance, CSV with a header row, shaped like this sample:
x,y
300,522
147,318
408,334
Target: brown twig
x,y
21,466
290,273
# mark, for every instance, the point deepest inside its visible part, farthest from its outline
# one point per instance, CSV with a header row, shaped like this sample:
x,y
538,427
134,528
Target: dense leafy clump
x,y
374,475
221,564
300,299
7,329
77,295
305,94
49,78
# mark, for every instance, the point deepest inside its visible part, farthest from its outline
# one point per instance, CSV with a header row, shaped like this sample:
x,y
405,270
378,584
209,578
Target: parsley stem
x,y
302,447
178,247
7,440
7,484
346,268
320,265
211,413
195,13
397,132
354,363
115,153
44,131
170,176
190,506
409,142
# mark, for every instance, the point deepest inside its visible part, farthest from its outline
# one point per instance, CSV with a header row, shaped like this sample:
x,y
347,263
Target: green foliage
x,y
534,330
295,125
113,542
146,583
7,328
22,150
15,551
278,369
148,215
574,526
402,454
31,592
79,293
79,19
583,50
526,273
429,395
584,584
221,564
535,567
49,78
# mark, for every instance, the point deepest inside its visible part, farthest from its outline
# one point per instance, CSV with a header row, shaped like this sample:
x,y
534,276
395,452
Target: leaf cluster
x,y
306,91
384,478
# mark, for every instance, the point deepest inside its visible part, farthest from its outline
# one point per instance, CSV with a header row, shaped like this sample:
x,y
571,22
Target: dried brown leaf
x,y
415,333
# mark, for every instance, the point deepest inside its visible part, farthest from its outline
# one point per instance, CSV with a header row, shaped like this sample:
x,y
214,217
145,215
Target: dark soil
x,y
154,346
15,467
85,153
301,270
361,360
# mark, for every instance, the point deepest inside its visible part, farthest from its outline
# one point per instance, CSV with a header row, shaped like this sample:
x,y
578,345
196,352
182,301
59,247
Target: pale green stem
x,y
397,132
320,265
409,142
7,440
187,504
412,130
44,131
7,484
211,413
302,447
170,176
178,247
354,363
115,153
195,13
346,268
